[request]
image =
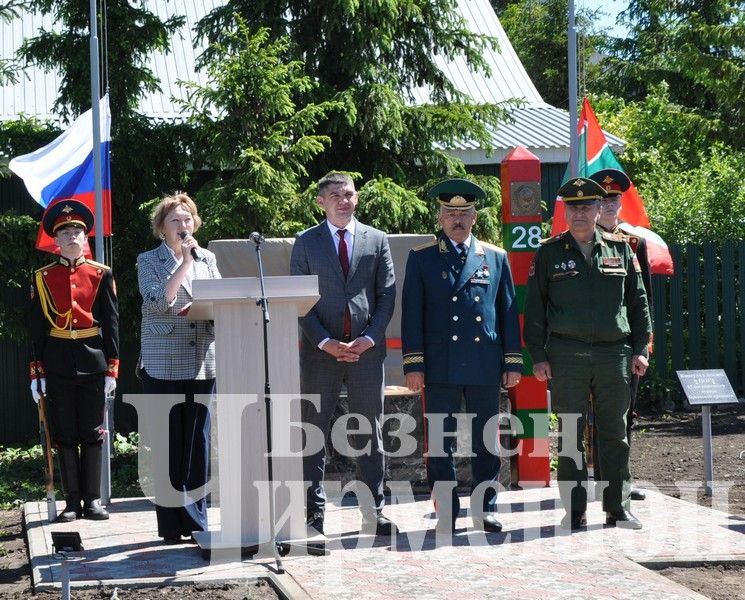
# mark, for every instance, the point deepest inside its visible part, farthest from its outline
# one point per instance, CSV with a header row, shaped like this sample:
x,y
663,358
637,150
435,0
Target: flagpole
x,y
96,107
100,219
572,64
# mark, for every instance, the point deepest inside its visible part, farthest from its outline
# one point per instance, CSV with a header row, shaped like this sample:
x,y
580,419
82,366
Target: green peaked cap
x,y
457,193
581,190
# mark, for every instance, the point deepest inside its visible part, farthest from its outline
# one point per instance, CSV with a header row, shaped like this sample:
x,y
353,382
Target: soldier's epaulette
x,y
99,265
631,237
49,266
493,247
614,237
554,238
425,245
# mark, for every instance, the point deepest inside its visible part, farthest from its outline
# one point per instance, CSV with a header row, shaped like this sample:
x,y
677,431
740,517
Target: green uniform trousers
x,y
579,369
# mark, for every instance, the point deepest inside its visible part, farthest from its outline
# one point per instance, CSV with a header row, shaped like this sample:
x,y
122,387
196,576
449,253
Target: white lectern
x,y
241,420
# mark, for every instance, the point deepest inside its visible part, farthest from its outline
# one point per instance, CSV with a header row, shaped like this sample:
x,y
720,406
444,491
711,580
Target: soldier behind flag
x,y
74,331
615,183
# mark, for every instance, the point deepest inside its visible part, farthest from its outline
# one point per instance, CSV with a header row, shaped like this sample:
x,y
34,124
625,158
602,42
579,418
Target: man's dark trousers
x,y
323,375
579,369
482,401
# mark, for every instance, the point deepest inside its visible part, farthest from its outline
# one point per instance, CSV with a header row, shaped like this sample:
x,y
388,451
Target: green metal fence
x,y
698,313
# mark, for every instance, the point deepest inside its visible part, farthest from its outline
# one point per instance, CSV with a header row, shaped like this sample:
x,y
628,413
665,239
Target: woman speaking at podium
x,y
178,355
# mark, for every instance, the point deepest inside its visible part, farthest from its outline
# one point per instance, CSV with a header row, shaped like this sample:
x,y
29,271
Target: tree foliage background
x,y
371,56
696,47
537,30
257,138
296,88
8,67
344,74
672,88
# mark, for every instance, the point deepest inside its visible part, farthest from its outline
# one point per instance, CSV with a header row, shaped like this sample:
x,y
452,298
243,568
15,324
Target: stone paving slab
x,y
531,558
125,550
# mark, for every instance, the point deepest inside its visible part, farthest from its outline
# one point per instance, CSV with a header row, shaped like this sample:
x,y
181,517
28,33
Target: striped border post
x,y
521,234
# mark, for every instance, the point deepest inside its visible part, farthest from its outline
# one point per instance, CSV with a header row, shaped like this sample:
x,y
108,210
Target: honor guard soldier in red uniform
x,y
74,329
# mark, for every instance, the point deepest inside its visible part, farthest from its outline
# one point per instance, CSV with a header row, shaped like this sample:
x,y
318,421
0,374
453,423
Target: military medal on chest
x,y
481,275
611,261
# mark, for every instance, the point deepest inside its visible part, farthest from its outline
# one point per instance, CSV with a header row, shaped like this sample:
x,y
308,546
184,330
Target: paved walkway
x,y
531,558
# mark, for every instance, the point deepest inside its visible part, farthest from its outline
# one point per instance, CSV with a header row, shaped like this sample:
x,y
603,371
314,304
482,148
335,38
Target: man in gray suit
x,y
343,338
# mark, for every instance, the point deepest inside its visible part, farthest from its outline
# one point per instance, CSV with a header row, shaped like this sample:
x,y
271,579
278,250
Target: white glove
x,y
35,388
109,386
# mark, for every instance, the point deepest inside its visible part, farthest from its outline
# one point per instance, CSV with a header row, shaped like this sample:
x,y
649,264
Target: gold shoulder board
x,y
425,245
554,239
494,247
49,266
97,264
614,237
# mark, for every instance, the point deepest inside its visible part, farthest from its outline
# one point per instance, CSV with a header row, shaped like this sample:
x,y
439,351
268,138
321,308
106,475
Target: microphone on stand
x,y
256,238
194,254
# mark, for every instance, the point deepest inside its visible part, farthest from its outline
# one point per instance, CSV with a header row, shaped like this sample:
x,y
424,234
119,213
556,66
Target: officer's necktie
x,y
344,261
462,251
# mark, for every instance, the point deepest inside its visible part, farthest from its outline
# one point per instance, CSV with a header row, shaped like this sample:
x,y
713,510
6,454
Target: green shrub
x,y
22,473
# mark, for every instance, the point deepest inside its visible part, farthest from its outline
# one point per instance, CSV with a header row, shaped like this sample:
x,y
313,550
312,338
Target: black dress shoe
x,y
622,518
172,541
94,511
488,523
68,514
637,494
382,524
315,520
574,521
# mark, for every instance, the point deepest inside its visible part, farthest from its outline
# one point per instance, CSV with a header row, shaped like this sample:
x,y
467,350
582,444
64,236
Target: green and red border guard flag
x,y
595,154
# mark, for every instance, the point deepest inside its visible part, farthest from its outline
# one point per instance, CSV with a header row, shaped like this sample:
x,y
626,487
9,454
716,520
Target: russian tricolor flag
x,y
64,169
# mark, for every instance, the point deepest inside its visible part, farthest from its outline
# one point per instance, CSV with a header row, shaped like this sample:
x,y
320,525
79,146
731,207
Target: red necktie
x,y
344,261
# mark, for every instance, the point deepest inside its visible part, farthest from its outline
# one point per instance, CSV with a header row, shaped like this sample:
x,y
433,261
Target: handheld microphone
x,y
194,254
256,238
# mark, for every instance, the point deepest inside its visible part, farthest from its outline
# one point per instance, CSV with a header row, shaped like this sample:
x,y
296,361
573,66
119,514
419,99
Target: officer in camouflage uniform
x,y
587,326
460,341
74,331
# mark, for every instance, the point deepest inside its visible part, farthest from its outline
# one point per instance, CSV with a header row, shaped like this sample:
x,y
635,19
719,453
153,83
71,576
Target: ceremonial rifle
x,y
46,445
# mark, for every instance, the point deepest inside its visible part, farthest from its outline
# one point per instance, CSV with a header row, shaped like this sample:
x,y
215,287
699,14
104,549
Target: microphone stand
x,y
278,548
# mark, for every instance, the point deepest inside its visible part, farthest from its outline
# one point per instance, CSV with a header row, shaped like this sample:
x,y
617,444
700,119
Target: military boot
x,y
91,462
70,473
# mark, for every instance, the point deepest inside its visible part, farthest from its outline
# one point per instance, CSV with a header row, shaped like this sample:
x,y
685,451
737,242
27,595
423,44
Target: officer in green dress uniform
x,y
461,339
74,331
587,326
